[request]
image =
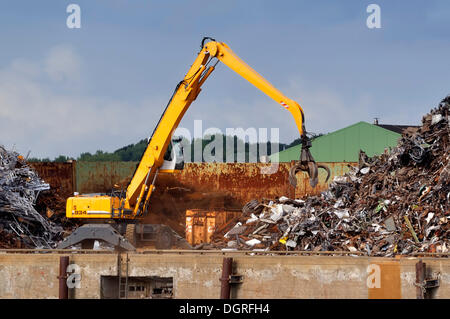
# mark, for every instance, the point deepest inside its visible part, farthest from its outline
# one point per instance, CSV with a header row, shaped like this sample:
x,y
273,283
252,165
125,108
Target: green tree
x,y
62,159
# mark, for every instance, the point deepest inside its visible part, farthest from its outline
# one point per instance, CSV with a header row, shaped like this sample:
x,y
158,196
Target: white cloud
x,y
36,116
62,64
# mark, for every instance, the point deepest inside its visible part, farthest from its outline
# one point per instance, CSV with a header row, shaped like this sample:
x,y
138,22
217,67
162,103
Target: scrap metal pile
x,y
395,203
21,225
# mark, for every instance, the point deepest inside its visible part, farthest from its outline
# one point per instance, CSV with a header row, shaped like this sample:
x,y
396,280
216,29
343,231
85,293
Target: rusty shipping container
x,y
95,177
60,176
201,224
242,181
204,186
247,181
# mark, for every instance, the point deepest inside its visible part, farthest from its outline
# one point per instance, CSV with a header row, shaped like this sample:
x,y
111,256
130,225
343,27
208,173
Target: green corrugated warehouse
x,y
343,145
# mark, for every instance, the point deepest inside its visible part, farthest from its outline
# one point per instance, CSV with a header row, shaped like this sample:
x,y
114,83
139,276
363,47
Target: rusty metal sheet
x,y
60,176
384,281
304,189
201,224
94,177
243,181
208,185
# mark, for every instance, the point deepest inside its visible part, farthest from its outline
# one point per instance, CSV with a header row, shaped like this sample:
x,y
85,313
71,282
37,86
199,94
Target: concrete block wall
x,y
197,275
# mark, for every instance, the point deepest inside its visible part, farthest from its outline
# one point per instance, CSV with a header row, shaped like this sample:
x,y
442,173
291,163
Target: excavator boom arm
x,y
184,94
135,202
222,52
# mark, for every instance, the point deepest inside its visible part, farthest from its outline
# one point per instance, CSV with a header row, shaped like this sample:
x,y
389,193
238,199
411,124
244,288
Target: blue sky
x,y
66,91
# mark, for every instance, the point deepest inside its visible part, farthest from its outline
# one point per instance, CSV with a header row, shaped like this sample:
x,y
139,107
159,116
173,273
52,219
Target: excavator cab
x,y
174,157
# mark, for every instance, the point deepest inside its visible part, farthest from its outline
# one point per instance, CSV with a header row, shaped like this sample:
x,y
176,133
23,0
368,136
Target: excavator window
x,y
178,149
168,155
173,158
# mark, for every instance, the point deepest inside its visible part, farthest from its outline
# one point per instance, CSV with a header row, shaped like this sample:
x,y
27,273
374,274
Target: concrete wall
x,y
196,275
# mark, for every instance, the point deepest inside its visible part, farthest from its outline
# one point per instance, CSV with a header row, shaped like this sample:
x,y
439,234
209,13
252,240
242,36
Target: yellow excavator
x,y
121,212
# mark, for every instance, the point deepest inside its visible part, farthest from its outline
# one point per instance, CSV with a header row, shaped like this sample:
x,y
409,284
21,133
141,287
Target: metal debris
x,y
395,203
20,224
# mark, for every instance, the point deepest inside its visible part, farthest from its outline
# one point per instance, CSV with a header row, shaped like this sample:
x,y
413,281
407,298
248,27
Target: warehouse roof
x,y
343,145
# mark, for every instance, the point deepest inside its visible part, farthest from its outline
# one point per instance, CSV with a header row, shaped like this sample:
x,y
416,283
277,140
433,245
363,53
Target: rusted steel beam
x,y
63,289
225,279
420,279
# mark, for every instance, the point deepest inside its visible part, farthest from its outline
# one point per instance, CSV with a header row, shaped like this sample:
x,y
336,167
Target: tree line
x,y
133,152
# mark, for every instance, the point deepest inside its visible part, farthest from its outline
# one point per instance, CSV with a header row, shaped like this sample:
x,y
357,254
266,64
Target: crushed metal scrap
x,y
393,204
21,225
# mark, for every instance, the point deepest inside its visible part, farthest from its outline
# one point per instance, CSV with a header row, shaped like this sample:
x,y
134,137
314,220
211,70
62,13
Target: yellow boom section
x,y
229,58
185,93
138,193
